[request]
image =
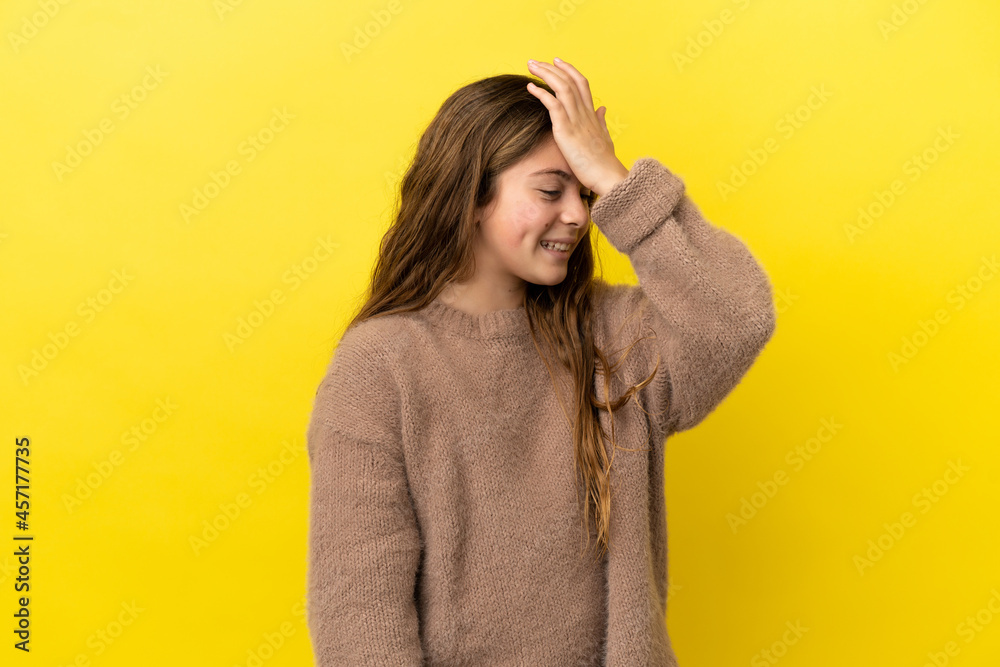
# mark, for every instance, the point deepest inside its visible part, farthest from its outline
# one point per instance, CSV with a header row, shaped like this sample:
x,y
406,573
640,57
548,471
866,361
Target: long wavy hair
x,y
480,130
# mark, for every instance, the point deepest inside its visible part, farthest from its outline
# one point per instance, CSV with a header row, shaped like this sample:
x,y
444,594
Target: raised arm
x,y
701,292
364,541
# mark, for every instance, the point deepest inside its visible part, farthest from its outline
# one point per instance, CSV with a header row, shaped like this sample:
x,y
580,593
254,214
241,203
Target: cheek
x,y
524,225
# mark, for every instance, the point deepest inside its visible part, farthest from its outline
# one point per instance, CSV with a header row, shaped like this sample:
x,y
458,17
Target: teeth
x,y
563,247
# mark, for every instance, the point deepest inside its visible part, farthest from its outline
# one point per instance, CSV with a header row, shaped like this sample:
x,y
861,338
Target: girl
x,y
467,428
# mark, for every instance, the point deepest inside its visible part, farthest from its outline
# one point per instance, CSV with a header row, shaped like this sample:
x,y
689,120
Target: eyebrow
x,y
555,172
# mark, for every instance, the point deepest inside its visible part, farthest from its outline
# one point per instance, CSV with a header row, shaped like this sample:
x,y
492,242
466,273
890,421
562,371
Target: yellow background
x,y
116,556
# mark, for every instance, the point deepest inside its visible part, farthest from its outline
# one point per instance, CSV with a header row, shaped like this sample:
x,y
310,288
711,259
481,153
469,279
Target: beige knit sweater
x,y
445,522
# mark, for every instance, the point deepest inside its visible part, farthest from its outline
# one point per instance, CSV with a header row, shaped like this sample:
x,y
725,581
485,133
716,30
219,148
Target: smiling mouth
x,y
556,247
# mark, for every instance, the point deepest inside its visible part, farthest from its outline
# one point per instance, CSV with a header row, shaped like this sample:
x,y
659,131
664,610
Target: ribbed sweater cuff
x,y
637,205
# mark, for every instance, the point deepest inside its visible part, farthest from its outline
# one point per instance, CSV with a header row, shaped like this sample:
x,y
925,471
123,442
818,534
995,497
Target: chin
x,y
550,280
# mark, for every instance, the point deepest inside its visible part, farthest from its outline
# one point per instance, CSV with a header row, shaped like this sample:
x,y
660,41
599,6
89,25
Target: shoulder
x,y
358,394
374,337
375,343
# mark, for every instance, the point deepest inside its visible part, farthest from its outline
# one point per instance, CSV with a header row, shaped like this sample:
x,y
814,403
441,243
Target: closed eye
x,y
589,198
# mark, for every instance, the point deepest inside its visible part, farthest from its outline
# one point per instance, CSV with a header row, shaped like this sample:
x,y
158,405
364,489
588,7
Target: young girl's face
x,y
534,203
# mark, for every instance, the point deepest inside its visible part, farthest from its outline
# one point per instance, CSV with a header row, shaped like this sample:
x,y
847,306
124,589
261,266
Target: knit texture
x,y
446,526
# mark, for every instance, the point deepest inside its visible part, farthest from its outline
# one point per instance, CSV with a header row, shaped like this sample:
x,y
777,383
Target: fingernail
x,y
557,60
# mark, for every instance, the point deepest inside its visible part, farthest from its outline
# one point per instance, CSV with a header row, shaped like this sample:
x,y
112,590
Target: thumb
x,y
602,113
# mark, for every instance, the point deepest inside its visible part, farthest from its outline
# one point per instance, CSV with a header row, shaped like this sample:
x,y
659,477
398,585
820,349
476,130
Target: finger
x,y
566,90
554,106
603,115
559,82
580,80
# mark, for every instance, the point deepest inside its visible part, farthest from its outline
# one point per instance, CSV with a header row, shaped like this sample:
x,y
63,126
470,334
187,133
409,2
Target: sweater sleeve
x,y
364,541
703,296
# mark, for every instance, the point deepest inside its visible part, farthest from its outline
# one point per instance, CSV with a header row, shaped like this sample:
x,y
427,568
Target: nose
x,y
576,213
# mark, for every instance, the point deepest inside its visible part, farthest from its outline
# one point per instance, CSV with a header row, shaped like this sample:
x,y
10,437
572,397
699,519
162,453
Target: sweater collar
x,y
494,324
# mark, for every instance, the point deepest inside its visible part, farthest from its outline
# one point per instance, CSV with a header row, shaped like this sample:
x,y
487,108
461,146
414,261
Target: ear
x,y
480,213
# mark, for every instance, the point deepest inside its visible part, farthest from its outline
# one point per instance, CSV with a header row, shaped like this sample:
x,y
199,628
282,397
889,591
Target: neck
x,y
481,297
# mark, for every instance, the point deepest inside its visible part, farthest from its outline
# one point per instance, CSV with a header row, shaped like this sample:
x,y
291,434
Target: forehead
x,y
546,161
